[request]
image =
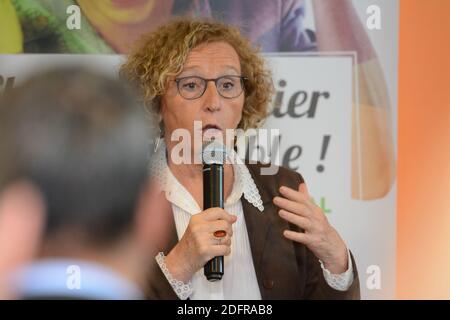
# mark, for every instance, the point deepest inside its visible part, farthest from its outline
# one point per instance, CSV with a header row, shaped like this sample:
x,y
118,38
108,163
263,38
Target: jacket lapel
x,y
170,241
258,226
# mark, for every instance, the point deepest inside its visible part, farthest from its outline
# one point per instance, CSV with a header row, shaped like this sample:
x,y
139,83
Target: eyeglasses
x,y
194,87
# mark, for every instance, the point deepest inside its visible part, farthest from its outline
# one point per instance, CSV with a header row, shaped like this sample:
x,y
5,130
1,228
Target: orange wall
x,y
423,252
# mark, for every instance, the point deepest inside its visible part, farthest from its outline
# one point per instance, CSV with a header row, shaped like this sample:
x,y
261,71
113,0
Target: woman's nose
x,y
212,101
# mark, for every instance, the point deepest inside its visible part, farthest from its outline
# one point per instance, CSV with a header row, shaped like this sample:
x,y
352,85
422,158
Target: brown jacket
x,y
284,269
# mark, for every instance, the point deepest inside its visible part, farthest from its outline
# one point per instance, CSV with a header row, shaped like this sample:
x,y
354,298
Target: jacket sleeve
x,y
158,288
318,288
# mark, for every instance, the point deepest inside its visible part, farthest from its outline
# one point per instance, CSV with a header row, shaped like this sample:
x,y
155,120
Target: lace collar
x,y
177,194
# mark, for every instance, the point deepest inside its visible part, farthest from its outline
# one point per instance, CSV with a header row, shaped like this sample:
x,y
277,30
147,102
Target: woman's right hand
x,y
199,245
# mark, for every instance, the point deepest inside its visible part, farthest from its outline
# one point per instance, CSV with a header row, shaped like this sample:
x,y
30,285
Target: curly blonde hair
x,y
163,52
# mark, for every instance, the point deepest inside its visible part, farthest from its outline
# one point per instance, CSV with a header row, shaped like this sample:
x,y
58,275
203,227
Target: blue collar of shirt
x,y
72,279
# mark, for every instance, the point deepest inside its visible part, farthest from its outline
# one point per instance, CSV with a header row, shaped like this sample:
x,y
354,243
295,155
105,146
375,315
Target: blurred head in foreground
x,y
75,146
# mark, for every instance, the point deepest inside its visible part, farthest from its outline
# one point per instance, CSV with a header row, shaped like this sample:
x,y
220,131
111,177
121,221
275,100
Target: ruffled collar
x,y
176,193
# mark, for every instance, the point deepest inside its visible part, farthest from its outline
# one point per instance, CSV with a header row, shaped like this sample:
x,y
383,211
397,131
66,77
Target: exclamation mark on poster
x,y
325,143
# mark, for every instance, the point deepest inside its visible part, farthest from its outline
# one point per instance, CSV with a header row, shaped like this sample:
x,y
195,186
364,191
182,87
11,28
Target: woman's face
x,y
209,61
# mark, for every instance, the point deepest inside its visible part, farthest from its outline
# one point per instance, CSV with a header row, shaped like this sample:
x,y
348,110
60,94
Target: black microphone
x,y
213,158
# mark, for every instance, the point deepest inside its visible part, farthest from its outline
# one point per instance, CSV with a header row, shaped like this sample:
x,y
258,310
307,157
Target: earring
x,y
157,144
160,136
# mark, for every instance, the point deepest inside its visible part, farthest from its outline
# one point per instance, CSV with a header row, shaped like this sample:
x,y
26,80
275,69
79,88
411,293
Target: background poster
x,y
324,55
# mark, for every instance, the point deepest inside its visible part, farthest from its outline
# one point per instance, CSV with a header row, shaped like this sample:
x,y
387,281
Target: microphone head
x,y
213,152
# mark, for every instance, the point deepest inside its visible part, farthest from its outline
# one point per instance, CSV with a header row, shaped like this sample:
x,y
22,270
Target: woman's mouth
x,y
212,132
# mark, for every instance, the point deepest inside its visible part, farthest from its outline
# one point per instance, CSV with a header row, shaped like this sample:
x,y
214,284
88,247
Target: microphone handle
x,y
213,198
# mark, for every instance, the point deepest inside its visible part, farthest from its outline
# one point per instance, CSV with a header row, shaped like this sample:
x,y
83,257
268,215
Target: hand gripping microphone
x,y
213,159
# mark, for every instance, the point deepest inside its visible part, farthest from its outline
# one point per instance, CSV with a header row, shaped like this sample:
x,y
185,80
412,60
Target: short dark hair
x,y
85,141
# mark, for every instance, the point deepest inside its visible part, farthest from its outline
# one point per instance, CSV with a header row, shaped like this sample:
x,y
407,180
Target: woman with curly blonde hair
x,y
202,79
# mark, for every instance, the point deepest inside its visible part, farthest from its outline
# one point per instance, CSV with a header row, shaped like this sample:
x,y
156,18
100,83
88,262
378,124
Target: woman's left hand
x,y
319,236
